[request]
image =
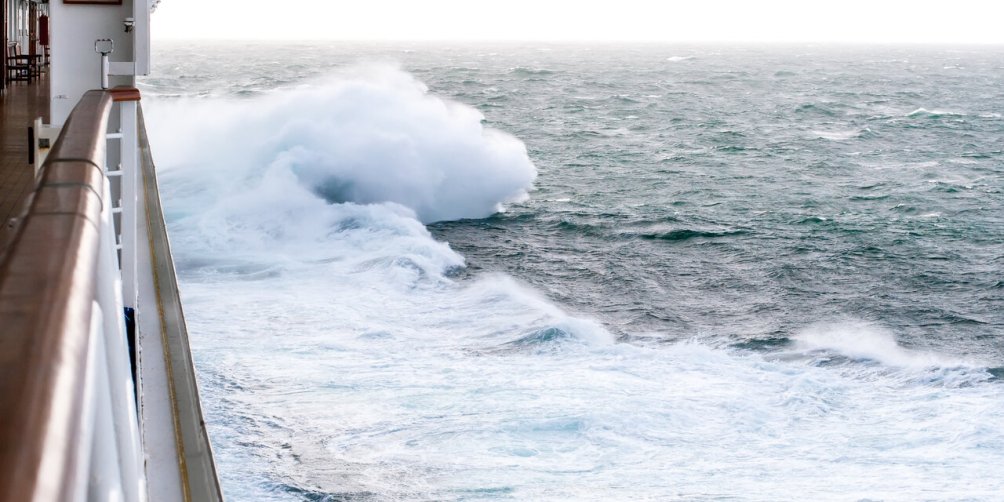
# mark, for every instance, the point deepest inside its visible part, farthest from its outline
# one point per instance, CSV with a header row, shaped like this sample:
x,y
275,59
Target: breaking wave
x,y
867,342
932,114
372,134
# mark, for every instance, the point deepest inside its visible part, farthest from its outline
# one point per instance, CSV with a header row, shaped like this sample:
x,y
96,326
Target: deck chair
x,y
18,65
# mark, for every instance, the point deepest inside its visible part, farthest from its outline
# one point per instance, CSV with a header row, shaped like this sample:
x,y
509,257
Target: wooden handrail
x,y
47,285
125,94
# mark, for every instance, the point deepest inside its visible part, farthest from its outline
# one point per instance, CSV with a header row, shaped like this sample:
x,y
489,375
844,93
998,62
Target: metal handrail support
x,y
128,99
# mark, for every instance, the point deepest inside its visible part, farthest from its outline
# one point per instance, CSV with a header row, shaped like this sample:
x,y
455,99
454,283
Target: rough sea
x,y
426,272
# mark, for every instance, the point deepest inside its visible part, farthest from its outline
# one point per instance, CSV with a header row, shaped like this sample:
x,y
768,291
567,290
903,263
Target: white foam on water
x,y
869,342
339,357
460,393
924,112
838,135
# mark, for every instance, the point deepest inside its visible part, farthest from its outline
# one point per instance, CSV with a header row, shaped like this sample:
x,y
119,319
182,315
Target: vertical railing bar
x,y
130,165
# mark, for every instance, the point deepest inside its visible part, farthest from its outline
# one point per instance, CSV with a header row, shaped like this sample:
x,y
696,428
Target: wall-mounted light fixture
x,y
129,23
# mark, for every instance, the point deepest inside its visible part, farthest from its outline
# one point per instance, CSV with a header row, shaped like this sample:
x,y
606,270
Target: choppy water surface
x,y
721,272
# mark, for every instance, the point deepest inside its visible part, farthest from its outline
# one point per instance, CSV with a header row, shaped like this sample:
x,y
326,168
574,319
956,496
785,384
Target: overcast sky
x,y
848,21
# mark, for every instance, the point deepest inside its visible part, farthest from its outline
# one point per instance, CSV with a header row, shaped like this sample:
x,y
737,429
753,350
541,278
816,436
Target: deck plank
x,y
20,104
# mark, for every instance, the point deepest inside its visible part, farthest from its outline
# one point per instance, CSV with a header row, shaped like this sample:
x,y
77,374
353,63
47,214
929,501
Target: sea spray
x,y
370,134
342,169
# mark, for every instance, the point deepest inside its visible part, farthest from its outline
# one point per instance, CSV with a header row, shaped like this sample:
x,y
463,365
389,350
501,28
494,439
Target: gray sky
x,y
850,21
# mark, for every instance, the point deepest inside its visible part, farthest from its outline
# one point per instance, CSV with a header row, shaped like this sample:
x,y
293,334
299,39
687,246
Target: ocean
x,y
572,272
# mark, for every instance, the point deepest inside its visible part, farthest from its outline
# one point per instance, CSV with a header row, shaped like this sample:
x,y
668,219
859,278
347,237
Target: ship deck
x,y
20,104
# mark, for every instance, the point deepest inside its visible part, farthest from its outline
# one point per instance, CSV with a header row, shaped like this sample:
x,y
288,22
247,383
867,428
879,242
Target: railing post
x,y
129,148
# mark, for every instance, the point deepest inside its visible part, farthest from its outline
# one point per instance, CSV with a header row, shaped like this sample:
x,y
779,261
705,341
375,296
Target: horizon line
x,y
886,43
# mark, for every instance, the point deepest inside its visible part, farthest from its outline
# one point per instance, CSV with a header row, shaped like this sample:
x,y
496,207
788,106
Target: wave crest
x,y
864,341
371,134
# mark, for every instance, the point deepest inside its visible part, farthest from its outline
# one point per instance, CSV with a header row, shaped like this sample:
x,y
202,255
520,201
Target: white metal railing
x,y
117,455
117,419
125,184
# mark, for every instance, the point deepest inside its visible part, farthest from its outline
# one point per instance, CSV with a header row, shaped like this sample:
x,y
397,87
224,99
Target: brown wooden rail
x,y
47,282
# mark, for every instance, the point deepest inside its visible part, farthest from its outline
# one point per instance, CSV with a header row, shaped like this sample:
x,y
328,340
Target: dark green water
x,y
743,193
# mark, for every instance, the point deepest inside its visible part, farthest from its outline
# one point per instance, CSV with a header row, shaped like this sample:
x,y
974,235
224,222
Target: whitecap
x,y
924,112
866,341
838,135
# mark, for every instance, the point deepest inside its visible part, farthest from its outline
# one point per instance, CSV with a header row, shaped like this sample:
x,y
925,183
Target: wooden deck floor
x,y
20,104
